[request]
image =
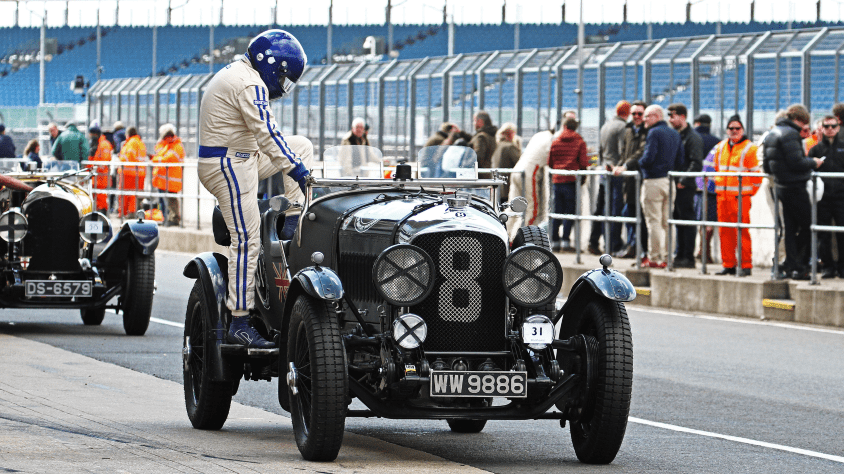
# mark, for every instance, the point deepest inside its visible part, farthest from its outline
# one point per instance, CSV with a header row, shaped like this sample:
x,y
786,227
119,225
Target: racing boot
x,y
241,332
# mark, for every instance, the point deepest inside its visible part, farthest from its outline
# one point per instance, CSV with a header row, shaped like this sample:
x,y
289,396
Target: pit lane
x,y
710,394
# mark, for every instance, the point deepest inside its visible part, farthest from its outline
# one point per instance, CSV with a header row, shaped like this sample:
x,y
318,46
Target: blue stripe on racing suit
x,y
282,145
239,242
245,233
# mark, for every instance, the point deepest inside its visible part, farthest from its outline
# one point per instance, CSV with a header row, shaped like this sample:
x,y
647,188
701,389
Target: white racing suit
x,y
532,162
240,144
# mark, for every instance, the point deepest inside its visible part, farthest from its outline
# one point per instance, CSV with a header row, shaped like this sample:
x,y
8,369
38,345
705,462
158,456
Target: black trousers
x,y
684,209
797,219
830,210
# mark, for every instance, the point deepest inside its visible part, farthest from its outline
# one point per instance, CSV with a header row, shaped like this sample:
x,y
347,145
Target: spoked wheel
x,y
598,430
317,380
138,290
207,402
92,316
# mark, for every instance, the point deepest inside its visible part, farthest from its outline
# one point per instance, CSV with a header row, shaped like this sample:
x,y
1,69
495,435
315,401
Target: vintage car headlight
x,y
94,228
403,274
537,332
409,331
532,276
13,226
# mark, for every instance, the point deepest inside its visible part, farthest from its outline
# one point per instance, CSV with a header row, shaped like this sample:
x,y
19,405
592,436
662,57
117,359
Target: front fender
x,y
142,237
320,282
608,284
211,269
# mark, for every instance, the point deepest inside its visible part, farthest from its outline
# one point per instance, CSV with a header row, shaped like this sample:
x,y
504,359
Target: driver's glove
x,y
300,174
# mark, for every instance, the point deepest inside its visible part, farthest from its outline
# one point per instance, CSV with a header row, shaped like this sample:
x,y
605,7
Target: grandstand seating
x,y
127,52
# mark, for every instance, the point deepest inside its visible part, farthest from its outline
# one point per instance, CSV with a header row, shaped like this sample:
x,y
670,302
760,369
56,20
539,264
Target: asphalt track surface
x,y
710,394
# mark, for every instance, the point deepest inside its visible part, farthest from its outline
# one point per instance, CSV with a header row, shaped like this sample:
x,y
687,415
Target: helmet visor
x,y
286,84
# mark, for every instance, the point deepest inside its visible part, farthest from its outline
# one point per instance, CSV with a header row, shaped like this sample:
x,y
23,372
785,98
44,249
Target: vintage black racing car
x,y
48,235
406,295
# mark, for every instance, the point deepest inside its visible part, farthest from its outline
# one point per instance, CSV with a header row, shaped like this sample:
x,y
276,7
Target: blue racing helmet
x,y
279,59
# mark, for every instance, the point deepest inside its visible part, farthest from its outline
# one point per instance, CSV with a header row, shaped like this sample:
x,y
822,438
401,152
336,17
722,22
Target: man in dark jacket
x,y
684,200
632,149
663,153
786,161
7,146
483,142
831,206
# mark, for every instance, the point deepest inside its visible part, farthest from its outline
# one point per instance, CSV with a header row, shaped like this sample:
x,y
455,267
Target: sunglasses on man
x,y
830,125
733,128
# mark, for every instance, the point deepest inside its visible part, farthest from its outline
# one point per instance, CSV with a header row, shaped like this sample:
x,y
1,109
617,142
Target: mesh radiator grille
x,y
466,308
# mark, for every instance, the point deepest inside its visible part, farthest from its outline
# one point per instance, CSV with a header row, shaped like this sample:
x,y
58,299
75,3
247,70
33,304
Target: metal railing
x,y
738,225
606,218
822,228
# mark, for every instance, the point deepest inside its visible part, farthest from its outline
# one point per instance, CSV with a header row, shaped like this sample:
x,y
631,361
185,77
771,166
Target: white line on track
x,y
740,320
156,320
166,322
737,439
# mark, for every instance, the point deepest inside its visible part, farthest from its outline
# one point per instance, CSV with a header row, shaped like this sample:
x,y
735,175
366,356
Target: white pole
x,y
580,41
43,64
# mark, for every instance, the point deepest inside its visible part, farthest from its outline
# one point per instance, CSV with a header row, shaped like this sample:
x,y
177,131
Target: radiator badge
x,y
364,224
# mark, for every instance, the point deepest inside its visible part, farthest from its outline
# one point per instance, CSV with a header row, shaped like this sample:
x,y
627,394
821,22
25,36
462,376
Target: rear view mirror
x,y
279,203
519,204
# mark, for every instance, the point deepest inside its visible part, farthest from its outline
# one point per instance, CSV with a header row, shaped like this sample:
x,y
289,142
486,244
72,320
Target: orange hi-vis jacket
x,y
168,178
133,150
738,158
103,153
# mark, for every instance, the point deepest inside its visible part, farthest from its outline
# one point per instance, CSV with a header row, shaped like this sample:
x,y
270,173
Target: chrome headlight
x,y
94,228
13,226
532,276
409,331
403,275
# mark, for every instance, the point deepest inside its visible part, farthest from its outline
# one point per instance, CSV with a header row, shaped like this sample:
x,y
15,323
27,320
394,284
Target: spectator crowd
x,y
653,142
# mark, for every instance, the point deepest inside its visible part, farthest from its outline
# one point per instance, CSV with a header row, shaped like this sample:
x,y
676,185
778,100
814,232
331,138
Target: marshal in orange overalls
x,y
103,153
738,158
169,178
132,177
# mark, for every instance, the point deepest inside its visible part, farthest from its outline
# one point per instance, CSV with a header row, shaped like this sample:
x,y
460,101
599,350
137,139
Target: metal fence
x,y
404,101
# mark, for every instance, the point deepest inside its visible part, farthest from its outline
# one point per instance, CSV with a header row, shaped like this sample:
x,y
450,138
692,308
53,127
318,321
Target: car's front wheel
x,y
207,402
317,370
598,433
138,290
92,316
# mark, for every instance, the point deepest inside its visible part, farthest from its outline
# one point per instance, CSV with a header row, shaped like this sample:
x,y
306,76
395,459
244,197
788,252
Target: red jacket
x,y
568,152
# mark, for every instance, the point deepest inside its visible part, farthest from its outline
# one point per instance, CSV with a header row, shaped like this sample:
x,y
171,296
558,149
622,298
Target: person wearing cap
x,y
102,152
118,134
131,177
71,145
168,179
609,156
7,146
736,154
686,188
702,124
